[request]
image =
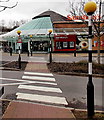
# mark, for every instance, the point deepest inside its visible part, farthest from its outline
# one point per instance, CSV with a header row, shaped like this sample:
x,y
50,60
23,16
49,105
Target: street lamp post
x,y
90,8
19,58
50,47
19,50
31,44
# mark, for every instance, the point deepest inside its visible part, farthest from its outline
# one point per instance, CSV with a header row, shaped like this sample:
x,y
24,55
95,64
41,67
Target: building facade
x,y
66,35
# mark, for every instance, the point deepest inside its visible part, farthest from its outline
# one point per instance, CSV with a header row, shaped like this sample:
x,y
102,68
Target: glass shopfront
x,y
40,46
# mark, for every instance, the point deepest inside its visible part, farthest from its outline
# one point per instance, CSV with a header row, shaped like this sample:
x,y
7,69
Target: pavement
x,y
47,106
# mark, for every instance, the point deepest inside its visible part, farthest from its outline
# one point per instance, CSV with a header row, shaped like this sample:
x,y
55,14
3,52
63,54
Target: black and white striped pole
x,y
31,44
90,8
50,46
19,49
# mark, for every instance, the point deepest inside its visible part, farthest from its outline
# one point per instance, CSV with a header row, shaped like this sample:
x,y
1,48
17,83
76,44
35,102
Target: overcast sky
x,y
27,9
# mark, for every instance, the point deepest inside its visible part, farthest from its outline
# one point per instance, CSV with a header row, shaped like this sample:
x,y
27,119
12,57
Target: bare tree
x,y
3,7
77,9
15,24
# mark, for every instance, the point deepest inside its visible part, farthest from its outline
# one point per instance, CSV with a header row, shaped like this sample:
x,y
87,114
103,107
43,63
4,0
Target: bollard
x,y
74,53
31,52
19,61
1,91
10,51
28,53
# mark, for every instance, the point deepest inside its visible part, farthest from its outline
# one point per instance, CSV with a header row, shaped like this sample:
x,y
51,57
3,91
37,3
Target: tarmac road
x,y
75,90
11,89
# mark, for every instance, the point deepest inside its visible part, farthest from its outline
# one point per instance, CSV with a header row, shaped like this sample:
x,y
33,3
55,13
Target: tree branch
x,y
4,1
5,7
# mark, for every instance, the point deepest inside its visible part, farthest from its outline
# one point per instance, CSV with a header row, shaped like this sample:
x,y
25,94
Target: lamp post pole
x,y
90,86
19,50
19,58
31,44
50,47
90,8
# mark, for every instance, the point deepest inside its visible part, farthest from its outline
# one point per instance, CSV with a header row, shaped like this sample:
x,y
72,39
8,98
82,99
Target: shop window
x,y
71,44
65,44
58,45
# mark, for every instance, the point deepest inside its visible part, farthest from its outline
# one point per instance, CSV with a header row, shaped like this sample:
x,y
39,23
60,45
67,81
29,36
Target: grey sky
x,y
27,9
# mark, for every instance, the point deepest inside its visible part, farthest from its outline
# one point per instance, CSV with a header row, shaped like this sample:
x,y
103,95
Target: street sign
x,y
19,40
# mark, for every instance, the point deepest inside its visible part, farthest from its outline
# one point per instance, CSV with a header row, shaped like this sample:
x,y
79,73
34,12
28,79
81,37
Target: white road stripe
x,y
37,61
35,73
48,83
39,88
25,81
37,58
7,84
12,79
42,98
38,78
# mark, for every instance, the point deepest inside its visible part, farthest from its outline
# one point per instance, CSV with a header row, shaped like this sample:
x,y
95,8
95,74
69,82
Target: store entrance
x,y
40,46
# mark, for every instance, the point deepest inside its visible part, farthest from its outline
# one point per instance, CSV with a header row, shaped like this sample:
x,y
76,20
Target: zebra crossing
x,y
37,59
42,88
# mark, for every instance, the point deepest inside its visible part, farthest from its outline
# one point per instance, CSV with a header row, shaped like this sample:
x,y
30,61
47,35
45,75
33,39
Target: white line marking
x,y
37,58
37,61
7,84
25,81
35,73
12,79
42,98
39,88
38,78
49,83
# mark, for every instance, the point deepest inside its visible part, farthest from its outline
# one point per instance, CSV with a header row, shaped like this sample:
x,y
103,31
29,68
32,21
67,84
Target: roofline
x,y
68,22
40,16
73,22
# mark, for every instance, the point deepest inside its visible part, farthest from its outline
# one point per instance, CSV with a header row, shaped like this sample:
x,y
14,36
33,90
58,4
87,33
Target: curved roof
x,y
36,26
39,25
53,15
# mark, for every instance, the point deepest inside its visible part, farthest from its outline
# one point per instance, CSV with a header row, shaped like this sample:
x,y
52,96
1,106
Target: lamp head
x,y
31,36
90,7
19,32
50,31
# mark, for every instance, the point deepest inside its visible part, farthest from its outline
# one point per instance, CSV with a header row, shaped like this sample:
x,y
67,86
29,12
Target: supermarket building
x,y
66,35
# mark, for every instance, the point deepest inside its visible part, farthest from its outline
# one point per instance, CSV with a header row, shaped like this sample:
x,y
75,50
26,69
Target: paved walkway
x,y
24,109
28,110
37,64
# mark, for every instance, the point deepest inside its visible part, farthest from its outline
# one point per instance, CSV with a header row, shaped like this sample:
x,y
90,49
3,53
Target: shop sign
x,y
65,37
83,17
58,37
19,40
